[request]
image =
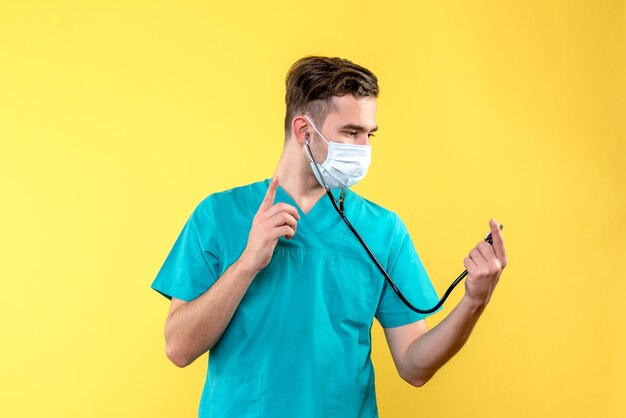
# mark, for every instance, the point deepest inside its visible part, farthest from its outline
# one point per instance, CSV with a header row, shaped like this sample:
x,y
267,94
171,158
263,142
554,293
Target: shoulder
x,y
236,198
373,211
381,228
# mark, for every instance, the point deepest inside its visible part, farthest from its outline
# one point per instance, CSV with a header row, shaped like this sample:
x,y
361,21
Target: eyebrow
x,y
359,128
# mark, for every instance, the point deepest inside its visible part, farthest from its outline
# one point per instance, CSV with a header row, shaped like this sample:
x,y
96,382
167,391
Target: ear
x,y
300,129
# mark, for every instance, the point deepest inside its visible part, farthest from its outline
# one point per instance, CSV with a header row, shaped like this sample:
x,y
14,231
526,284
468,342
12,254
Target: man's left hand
x,y
484,265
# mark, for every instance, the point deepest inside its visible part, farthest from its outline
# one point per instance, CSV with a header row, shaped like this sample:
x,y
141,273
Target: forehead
x,y
353,110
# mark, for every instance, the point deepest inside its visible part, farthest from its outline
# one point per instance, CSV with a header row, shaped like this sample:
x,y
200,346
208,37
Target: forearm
x,y
195,327
432,350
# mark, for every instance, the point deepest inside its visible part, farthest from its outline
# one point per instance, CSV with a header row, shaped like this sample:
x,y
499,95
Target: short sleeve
x,y
408,273
192,265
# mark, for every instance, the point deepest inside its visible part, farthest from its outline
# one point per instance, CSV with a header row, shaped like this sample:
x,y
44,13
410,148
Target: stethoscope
x,y
340,211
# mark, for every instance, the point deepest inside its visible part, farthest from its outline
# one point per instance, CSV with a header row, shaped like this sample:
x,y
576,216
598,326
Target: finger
x,y
498,241
270,195
284,231
282,207
469,265
486,250
477,257
493,263
283,218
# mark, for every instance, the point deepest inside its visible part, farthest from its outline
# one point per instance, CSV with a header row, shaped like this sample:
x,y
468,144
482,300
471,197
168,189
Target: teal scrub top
x,y
299,342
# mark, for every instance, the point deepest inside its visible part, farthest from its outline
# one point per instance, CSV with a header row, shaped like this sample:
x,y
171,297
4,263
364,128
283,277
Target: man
x,y
270,280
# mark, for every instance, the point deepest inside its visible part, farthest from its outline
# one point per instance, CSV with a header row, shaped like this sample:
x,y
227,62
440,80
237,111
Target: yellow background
x,y
118,117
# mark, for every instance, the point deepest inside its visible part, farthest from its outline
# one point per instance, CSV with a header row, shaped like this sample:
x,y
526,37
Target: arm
x,y
419,353
193,328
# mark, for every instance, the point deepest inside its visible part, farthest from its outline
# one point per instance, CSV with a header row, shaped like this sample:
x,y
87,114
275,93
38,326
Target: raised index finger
x,y
268,200
498,241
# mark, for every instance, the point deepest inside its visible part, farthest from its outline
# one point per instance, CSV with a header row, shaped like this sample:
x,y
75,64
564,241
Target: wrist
x,y
245,267
474,305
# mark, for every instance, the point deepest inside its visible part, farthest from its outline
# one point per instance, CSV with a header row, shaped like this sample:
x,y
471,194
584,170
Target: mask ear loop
x,y
343,191
316,130
307,147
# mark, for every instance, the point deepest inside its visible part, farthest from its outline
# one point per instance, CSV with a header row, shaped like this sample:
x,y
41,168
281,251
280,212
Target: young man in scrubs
x,y
270,280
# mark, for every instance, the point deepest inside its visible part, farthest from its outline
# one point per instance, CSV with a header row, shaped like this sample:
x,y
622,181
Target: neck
x,y
296,176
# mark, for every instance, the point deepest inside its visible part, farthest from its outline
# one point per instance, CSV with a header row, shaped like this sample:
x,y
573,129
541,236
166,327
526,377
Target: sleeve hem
x,y
169,294
393,320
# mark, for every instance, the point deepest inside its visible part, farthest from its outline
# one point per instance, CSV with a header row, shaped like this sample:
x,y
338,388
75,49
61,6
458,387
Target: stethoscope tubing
x,y
382,270
373,257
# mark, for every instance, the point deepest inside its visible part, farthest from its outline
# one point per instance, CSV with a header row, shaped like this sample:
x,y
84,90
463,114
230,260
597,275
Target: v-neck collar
x,y
319,208
321,226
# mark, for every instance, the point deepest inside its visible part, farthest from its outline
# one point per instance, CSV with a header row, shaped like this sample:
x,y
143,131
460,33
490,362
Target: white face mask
x,y
345,164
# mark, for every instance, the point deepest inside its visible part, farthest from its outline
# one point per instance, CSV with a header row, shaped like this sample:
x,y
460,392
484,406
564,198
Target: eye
x,y
370,135
352,133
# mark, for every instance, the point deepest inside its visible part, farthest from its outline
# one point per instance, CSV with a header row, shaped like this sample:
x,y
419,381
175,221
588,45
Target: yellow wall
x,y
118,117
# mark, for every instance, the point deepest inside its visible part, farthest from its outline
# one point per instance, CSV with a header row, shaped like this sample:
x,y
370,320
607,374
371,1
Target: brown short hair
x,y
313,81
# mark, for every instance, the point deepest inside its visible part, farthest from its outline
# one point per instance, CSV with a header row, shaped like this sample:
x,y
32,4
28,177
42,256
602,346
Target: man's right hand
x,y
270,223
